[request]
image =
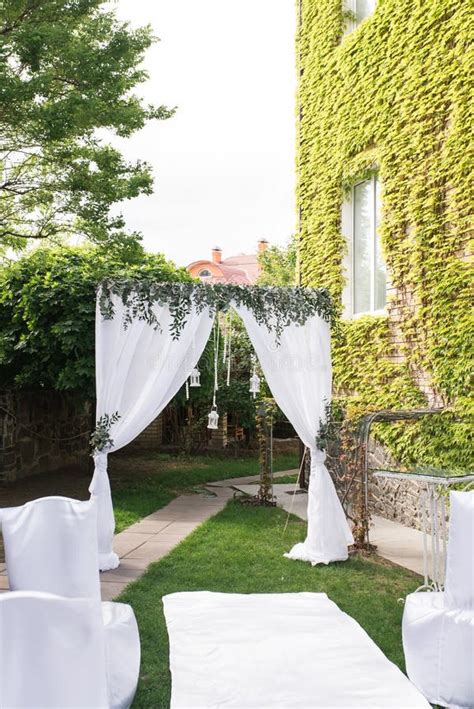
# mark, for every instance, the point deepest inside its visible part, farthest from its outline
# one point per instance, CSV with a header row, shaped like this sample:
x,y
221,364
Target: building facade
x,y
242,269
384,194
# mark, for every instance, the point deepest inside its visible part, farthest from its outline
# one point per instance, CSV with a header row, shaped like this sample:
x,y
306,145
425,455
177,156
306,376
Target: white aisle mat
x,y
273,651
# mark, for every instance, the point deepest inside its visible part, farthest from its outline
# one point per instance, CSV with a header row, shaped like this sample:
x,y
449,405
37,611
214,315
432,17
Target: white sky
x,y
224,164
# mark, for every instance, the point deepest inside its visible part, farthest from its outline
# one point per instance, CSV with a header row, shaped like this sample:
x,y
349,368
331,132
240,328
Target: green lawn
x,y
241,550
143,484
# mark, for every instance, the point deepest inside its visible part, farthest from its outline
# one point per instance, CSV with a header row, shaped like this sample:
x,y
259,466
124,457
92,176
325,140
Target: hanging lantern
x,y
213,419
254,384
195,378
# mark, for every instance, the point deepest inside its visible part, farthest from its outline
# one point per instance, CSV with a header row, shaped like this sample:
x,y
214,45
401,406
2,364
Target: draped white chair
x,y
438,628
52,652
51,547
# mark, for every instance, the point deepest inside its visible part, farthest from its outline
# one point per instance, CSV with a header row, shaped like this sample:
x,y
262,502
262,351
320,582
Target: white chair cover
x,y
459,586
52,653
51,546
122,645
438,628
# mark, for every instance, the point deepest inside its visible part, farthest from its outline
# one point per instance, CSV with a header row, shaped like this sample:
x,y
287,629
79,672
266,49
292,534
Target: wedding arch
x,y
149,338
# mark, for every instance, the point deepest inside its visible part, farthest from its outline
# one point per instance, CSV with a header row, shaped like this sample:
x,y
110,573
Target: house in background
x,y
384,186
242,269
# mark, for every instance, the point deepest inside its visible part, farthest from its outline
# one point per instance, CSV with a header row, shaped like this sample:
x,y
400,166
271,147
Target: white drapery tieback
x,y
100,490
328,532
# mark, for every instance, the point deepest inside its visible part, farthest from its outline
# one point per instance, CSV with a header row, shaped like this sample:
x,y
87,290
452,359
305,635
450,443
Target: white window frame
x,y
351,6
347,223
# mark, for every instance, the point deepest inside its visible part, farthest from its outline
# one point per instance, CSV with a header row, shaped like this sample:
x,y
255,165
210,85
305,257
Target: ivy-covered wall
x,y
394,96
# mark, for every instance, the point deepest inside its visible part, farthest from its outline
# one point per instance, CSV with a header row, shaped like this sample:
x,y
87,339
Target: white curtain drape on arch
x,y
139,368
138,371
299,374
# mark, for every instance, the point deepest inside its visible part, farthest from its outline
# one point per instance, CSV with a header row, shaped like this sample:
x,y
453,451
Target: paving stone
x,y
128,570
126,541
111,590
4,583
152,551
148,526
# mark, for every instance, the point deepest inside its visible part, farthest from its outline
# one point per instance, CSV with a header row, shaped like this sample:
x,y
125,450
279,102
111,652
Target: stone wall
x,y
397,500
151,439
42,431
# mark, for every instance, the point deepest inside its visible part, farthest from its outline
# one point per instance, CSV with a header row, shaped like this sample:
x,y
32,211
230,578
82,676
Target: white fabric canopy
x,y
139,368
298,372
285,650
138,371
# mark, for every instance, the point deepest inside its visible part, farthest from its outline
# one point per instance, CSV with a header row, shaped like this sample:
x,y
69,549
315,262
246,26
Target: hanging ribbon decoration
x,y
229,343
195,376
216,355
213,418
254,379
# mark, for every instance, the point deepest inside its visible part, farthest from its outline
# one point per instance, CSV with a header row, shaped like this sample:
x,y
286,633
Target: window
x,y
360,9
204,273
365,266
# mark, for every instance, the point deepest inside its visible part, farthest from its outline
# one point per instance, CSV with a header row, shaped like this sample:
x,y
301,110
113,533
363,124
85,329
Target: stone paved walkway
x,y
156,535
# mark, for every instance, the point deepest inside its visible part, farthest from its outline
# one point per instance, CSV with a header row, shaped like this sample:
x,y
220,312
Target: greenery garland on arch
x,y
272,306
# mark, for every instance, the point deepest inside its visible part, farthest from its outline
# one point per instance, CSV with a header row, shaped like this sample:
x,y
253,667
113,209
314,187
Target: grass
x,y
143,484
241,550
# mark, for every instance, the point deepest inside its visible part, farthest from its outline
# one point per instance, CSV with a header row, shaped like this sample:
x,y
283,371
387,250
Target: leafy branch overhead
x,y
68,70
47,312
274,307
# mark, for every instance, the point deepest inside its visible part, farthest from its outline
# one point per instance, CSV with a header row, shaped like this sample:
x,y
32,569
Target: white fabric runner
x,y
298,372
295,650
138,371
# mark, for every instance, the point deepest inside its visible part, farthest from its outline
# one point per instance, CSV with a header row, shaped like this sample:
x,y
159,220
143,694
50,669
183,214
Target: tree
x,y
47,312
278,265
68,70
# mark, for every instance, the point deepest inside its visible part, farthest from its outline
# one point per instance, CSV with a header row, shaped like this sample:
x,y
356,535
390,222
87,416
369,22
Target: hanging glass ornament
x,y
195,378
254,384
213,419
254,387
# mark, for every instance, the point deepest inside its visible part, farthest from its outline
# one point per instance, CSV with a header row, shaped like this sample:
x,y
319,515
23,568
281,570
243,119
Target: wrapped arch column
x,y
297,368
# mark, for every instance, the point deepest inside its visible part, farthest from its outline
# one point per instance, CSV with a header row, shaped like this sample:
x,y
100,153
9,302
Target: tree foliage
x,y
278,265
67,71
47,312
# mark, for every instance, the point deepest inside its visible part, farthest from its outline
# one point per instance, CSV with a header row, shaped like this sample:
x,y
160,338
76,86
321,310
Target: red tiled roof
x,y
241,269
